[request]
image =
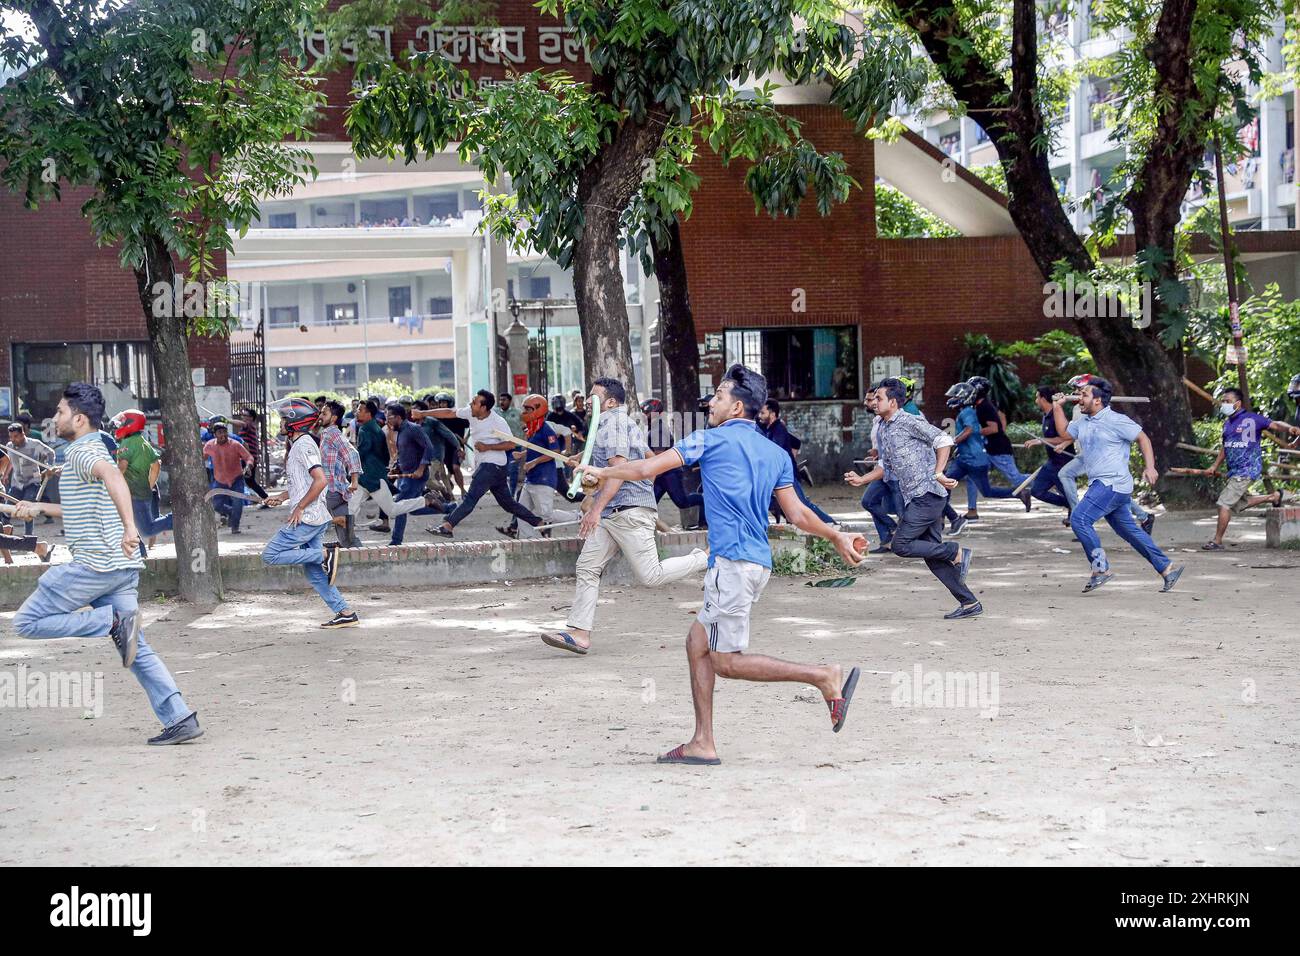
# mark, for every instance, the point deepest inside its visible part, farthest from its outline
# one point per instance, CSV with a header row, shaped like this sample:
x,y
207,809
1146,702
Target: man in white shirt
x,y
300,540
490,472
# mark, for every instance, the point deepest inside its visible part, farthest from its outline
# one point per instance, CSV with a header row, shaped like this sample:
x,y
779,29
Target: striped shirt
x,y
90,519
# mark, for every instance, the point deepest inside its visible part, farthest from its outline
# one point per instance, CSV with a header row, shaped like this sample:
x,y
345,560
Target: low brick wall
x,y
438,564
1282,525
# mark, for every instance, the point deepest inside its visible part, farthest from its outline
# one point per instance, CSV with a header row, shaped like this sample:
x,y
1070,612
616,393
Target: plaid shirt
x,y
339,459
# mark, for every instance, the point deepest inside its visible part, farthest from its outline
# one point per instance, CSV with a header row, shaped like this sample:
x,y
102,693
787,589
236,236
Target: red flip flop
x,y
840,705
679,755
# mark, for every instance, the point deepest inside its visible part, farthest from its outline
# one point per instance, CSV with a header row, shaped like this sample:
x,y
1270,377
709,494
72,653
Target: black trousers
x,y
920,535
491,478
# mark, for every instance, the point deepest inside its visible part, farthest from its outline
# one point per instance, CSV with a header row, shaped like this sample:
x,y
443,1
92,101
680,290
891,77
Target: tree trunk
x,y
677,342
1132,359
197,562
605,188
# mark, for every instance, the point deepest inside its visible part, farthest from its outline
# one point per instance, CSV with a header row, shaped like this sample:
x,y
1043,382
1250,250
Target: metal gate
x,y
248,385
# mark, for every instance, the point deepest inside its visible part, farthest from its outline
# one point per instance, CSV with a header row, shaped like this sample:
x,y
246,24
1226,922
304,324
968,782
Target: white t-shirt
x,y
303,457
481,430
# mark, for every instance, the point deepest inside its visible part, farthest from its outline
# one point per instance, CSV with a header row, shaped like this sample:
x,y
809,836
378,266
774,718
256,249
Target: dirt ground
x,y
1122,727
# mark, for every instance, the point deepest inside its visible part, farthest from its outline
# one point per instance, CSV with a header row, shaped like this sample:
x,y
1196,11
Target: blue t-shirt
x,y
1104,440
1241,444
971,451
739,469
543,474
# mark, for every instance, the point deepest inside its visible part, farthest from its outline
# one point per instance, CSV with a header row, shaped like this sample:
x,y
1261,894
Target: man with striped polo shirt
x,y
740,470
105,567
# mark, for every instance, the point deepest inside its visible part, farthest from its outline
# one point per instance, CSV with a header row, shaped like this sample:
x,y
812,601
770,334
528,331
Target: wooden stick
x,y
1198,390
529,445
1027,482
1203,451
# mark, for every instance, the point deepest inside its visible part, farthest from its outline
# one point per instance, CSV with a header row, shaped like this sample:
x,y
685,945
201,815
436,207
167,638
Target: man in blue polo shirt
x,y
1104,438
740,470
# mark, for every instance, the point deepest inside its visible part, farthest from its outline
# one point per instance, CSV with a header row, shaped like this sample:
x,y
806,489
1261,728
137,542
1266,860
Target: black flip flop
x,y
677,755
840,713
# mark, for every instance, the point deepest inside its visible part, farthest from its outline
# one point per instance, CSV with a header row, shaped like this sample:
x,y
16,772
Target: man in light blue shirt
x,y
1104,438
740,470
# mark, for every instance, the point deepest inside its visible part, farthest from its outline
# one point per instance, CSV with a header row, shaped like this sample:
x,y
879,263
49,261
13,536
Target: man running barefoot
x,y
740,470
105,569
1104,438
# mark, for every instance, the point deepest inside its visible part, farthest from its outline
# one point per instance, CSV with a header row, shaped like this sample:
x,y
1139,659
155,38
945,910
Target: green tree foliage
x,y
900,217
985,357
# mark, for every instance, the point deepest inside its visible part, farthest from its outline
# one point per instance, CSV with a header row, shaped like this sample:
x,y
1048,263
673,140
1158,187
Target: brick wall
x,y
57,285
911,297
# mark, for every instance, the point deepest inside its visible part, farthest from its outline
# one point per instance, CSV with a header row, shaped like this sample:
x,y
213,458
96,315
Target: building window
x,y
402,371
399,301
345,375
447,372
283,316
800,363
539,287
123,370
286,378
440,305
282,220
343,313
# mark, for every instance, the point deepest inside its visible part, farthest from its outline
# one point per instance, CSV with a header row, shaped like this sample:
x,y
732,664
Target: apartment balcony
x,y
1098,143
410,338
370,242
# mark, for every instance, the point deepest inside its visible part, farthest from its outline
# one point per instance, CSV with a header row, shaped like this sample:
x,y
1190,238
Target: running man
x,y
1242,432
973,461
997,444
1104,438
490,474
622,518
299,541
141,465
740,470
1046,486
105,569
916,452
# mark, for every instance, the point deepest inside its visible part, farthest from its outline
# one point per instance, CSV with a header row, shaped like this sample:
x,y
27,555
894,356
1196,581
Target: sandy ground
x,y
1128,727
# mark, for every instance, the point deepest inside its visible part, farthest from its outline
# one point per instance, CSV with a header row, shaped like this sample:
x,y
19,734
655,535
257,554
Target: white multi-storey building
x,y
1261,189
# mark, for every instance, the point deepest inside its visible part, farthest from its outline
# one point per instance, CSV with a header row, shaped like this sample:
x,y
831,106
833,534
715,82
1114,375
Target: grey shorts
x,y
1234,494
336,504
731,588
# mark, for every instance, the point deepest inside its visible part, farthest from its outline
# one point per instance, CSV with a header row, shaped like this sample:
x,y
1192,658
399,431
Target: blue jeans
x,y
1007,465
25,493
301,544
798,490
1067,477
976,476
1045,486
882,499
1099,501
53,610
512,475
147,521
408,488
232,508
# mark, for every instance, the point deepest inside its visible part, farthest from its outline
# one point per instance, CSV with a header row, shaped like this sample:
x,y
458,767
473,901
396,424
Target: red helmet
x,y
127,423
297,415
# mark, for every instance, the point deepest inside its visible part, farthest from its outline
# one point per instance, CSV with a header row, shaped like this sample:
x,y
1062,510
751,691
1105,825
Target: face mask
x,y
1226,408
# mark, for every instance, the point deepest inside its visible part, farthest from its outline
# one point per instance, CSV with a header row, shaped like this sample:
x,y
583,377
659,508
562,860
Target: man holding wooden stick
x,y
537,470
1242,431
621,517
490,472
